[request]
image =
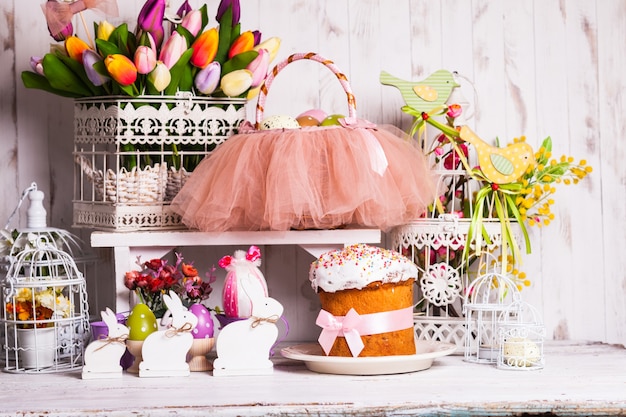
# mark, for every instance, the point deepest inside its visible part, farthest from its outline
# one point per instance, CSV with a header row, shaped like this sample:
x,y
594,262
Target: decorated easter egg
x,y
317,114
332,120
305,121
204,329
279,121
141,322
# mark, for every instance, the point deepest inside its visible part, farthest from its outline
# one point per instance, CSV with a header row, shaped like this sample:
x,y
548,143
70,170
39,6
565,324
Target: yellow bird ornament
x,y
500,165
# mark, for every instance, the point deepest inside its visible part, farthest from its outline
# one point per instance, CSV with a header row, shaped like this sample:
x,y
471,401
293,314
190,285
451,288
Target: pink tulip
x,y
121,69
145,59
258,67
175,46
208,78
192,22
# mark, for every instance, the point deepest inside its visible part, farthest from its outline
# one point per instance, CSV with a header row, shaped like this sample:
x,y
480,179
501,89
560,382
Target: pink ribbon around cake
x,y
354,325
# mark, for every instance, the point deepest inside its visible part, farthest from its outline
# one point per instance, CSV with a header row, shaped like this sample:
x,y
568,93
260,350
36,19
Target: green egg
x,y
141,322
332,120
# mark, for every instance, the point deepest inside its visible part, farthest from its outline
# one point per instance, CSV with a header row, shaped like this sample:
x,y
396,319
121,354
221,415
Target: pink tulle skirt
x,y
308,178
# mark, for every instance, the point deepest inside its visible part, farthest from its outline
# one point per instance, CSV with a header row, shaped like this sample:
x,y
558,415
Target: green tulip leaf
x,y
205,16
189,38
119,37
61,77
225,38
177,72
106,48
239,61
79,70
39,82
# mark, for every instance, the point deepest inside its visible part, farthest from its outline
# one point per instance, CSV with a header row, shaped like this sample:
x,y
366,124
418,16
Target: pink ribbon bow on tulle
x,y
378,159
346,326
59,15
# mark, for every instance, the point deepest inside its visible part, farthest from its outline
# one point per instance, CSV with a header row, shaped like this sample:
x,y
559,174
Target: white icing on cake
x,y
356,266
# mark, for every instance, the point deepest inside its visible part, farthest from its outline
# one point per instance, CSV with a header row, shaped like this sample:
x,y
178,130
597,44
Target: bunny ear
x,y
172,301
108,316
252,291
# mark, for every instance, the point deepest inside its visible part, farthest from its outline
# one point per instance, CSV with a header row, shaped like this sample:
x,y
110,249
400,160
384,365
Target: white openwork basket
x,y
133,155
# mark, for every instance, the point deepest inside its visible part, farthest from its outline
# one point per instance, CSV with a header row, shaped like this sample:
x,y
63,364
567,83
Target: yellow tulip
x,y
104,30
236,83
271,45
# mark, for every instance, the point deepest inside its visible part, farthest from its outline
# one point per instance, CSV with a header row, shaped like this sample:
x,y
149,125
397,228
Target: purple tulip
x,y
36,64
89,59
257,37
184,9
63,34
151,19
208,78
224,5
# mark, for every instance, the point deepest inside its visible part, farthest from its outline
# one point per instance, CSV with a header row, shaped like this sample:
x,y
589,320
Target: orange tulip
x,y
121,68
243,43
75,47
204,48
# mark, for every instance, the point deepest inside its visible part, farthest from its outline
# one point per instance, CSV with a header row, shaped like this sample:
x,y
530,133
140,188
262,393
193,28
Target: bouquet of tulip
x,y
37,307
158,277
162,56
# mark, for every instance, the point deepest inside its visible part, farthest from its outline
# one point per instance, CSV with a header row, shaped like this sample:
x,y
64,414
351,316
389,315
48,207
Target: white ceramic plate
x,y
315,359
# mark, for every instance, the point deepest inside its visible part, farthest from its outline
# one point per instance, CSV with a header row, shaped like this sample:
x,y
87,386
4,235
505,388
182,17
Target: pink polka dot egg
x,y
204,329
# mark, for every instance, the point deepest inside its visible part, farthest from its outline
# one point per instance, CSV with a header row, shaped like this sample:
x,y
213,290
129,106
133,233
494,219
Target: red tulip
x,y
121,69
205,48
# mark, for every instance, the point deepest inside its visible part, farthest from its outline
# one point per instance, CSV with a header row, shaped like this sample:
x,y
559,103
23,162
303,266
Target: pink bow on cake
x,y
354,325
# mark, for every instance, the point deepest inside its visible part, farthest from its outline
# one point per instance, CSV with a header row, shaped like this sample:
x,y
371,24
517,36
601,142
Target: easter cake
x,y
366,295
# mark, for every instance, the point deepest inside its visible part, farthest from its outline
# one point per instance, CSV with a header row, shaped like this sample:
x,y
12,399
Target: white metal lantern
x,y
487,297
520,333
44,322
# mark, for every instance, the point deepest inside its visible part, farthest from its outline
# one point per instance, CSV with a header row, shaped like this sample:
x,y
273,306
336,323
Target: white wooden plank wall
x,y
539,67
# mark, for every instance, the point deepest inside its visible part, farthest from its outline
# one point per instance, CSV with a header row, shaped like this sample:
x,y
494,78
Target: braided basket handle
x,y
260,107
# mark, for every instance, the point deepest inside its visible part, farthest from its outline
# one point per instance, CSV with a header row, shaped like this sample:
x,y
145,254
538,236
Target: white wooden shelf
x,y
579,379
154,244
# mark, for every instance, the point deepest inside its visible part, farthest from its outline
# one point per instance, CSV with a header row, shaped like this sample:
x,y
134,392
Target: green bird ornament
x,y
500,165
426,95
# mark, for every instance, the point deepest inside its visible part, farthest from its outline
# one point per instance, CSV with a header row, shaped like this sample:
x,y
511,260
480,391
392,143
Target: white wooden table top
x,y
579,379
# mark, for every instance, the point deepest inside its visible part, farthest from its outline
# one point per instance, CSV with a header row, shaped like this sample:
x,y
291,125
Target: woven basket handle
x,y
260,107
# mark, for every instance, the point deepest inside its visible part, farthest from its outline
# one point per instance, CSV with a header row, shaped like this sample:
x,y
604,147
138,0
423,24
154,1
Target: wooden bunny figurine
x,y
102,356
243,347
165,351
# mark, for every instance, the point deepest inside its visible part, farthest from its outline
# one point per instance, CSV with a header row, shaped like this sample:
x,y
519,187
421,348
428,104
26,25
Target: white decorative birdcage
x,y
438,242
133,155
45,313
487,297
44,318
520,336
